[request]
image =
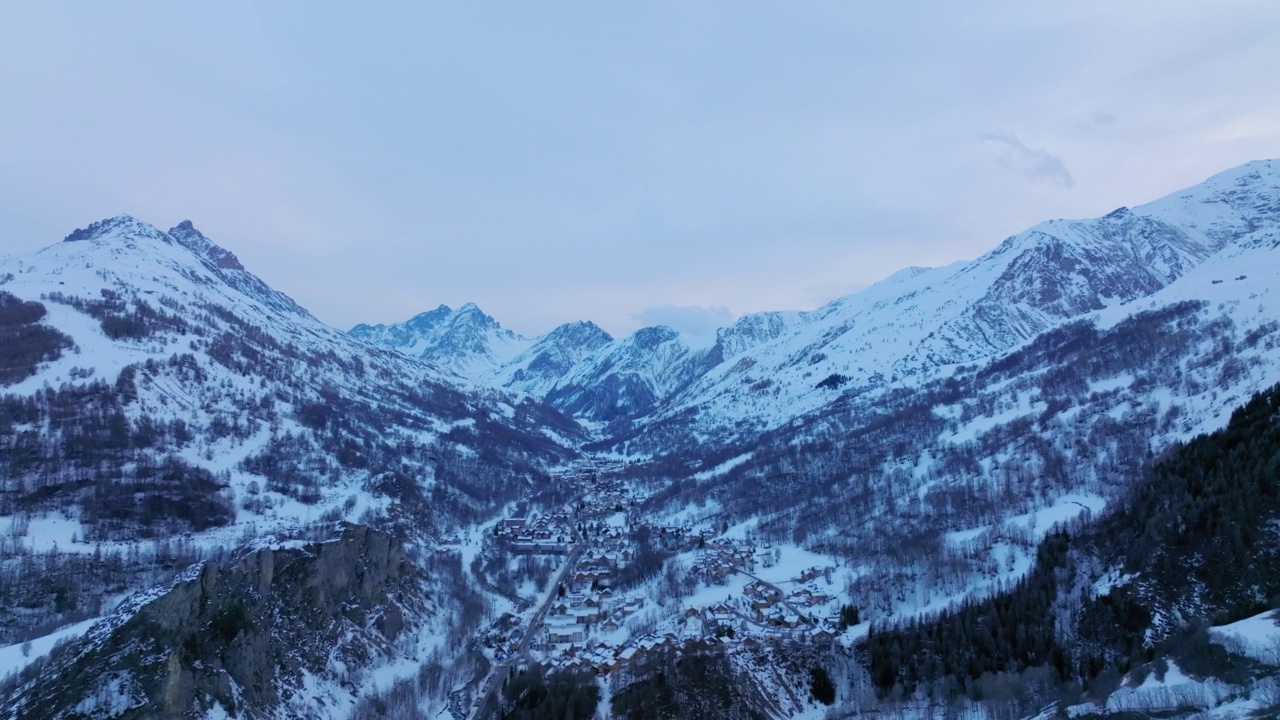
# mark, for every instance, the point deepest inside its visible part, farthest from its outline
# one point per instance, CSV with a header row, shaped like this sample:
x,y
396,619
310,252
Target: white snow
x,y
1257,637
17,656
1175,690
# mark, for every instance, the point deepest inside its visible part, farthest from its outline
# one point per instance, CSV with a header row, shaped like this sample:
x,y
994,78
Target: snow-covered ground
x,y
1257,637
16,657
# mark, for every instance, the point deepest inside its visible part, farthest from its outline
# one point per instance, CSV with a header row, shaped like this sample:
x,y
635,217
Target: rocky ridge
x,y
256,633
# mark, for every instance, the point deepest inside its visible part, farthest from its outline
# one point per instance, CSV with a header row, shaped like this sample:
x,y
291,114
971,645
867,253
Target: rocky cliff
x,y
273,631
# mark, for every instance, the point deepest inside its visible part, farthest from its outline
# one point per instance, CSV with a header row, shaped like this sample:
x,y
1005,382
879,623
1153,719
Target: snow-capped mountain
x,y
550,357
465,340
577,367
226,266
768,368
203,401
931,482
160,405
751,331
919,320
627,377
906,448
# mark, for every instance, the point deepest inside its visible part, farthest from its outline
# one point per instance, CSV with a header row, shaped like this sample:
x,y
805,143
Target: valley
x,y
784,517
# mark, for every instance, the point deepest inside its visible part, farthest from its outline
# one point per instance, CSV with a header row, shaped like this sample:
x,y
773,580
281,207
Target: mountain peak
x,y
120,226
1266,166
472,314
583,330
465,340
653,336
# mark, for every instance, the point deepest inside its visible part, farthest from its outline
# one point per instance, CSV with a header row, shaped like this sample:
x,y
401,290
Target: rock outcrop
x,y
272,630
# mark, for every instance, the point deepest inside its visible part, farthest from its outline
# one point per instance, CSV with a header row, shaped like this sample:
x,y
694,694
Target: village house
x,y
808,598
721,613
821,636
809,574
586,615
564,629
512,526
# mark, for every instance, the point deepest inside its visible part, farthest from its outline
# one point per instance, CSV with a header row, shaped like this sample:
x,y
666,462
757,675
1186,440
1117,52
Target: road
x,y
521,653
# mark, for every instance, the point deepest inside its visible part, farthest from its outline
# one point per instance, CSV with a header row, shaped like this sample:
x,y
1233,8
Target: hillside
x,y
1186,548
767,368
157,391
620,513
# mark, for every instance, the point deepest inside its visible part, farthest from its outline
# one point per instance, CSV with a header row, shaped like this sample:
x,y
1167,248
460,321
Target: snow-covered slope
x,y
631,378
626,378
577,367
919,481
769,368
920,320
924,433
551,357
186,355
286,632
161,405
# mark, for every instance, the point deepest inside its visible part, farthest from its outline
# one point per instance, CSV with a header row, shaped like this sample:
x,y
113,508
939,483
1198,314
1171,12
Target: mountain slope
x,y
928,485
173,394
769,368
1189,544
628,377
920,438
270,633
918,321
551,357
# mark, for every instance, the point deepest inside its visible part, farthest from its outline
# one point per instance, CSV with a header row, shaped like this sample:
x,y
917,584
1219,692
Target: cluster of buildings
x,y
805,610
721,558
573,617
808,598
608,496
551,534
589,469
589,624
604,659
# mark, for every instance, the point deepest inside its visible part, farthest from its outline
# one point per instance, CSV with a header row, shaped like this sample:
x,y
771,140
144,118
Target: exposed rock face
x,y
466,340
538,369
245,635
226,266
626,378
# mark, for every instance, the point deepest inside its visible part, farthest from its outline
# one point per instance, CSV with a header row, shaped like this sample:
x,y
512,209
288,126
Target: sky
x,y
626,163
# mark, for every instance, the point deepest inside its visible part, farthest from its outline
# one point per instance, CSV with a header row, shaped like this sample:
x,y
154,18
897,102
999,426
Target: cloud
x,y
1037,163
1104,118
690,319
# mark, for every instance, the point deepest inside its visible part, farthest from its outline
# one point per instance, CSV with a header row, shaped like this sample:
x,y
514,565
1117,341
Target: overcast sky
x,y
627,163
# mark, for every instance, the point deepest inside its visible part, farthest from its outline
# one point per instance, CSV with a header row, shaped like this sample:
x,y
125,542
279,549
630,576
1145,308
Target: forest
x,y
24,341
1196,533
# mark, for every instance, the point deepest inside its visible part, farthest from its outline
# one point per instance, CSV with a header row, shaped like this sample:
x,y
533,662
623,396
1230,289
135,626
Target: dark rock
x,y
239,635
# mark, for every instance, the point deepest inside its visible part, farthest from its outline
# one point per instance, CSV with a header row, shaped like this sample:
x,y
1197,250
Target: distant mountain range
x,y
911,324
170,423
